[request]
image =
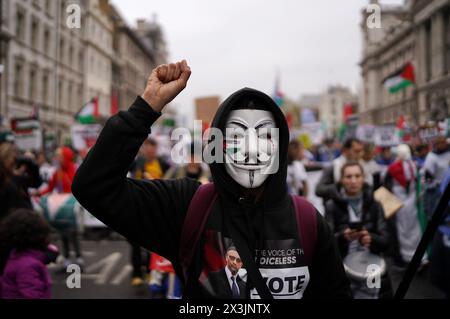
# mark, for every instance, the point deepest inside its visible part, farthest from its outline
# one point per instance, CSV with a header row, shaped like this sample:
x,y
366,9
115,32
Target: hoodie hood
x,y
275,188
68,166
67,155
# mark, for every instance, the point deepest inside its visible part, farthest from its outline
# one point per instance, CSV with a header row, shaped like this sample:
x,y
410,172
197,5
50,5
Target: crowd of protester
x,y
417,174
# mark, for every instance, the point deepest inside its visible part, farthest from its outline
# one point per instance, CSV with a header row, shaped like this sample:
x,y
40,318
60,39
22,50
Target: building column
x,y
437,47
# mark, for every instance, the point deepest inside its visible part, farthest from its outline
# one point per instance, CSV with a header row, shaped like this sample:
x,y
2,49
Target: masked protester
x,y
248,205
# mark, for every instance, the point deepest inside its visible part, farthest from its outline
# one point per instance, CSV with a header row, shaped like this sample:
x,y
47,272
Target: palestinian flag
x,y
400,80
345,125
231,147
401,125
403,130
89,113
342,132
348,112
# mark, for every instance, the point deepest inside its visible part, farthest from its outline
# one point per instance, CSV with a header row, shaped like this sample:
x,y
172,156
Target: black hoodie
x,y
151,213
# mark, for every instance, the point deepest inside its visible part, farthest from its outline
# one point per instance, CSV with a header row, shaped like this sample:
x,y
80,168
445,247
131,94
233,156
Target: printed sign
x,y
27,134
386,136
314,131
286,283
85,136
282,267
366,133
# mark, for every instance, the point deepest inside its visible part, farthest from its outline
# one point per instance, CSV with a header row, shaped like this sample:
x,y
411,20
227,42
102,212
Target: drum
x,y
362,264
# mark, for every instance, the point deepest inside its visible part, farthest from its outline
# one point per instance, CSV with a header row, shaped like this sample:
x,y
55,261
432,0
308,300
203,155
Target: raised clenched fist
x,y
165,83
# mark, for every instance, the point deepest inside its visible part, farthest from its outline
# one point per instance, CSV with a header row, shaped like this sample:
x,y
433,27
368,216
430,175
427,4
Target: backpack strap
x,y
197,214
306,225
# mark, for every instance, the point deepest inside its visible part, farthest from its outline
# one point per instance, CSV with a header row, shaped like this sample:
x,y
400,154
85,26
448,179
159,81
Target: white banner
x,y
314,131
366,133
27,134
85,136
387,136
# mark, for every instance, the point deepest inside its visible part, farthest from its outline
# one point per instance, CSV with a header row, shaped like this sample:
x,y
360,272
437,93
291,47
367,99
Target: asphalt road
x,y
106,274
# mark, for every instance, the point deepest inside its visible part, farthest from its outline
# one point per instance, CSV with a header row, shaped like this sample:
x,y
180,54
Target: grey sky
x,y
233,44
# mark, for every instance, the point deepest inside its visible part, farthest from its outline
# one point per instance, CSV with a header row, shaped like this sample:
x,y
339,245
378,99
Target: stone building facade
x,y
417,32
53,67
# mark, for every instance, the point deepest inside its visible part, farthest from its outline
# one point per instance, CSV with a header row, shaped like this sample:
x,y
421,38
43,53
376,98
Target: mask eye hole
x,y
265,135
237,137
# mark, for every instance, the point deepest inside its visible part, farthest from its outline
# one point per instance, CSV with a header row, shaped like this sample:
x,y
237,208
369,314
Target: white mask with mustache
x,y
251,147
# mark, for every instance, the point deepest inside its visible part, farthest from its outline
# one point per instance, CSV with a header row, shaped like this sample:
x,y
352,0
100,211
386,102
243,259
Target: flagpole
x,y
57,56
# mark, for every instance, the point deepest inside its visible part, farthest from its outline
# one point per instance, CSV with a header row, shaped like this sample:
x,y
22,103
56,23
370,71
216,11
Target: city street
x,y
119,110
107,273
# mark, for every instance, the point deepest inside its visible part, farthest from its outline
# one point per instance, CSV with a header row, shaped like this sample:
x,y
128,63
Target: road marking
x,y
105,267
125,272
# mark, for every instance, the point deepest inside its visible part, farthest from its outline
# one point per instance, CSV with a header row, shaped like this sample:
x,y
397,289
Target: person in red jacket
x,y
61,180
61,183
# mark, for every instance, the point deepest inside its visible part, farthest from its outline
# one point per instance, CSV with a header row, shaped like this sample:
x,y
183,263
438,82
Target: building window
x,y
48,7
81,60
47,48
80,97
447,40
61,94
45,87
34,33
70,96
63,12
70,55
428,50
92,63
62,46
18,79
20,24
67,96
32,84
37,4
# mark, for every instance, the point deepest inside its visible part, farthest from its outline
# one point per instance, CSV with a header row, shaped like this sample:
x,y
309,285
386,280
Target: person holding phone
x,y
357,221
